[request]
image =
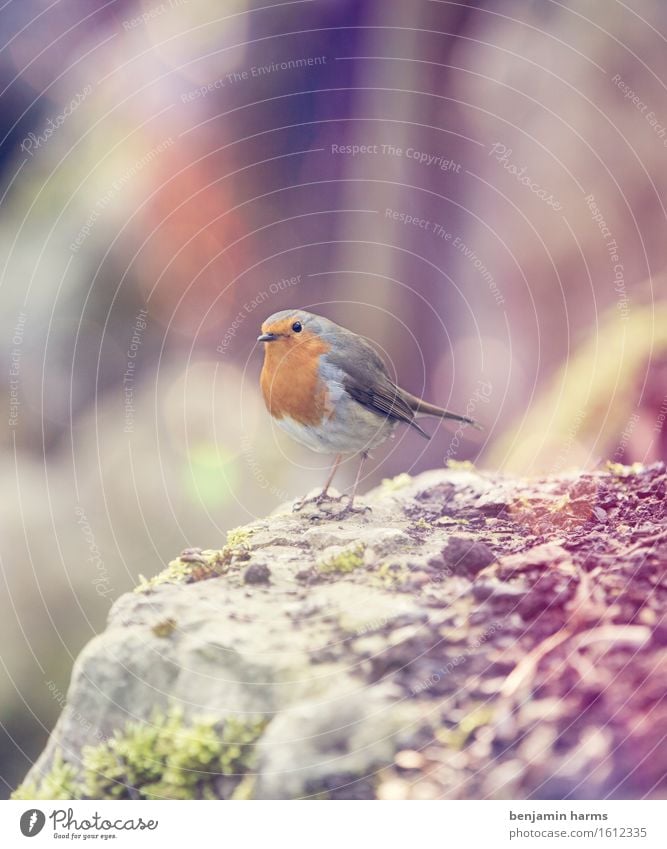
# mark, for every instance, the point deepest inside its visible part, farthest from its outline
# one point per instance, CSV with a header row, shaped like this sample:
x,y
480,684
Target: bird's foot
x,y
351,508
326,506
331,509
317,501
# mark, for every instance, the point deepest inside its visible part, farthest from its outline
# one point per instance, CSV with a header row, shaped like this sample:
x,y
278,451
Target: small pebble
x,y
409,759
258,573
393,789
467,557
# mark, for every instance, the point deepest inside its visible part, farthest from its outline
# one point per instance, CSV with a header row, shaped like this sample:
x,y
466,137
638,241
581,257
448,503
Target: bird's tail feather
x,y
420,406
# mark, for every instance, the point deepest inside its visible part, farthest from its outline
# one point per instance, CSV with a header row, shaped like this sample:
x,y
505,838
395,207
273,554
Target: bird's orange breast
x,y
291,382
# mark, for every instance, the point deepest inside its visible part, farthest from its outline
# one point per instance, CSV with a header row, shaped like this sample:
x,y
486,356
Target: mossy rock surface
x,y
164,757
432,647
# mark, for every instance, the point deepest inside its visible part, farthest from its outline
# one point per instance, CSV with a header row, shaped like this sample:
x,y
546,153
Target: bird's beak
x,y
267,337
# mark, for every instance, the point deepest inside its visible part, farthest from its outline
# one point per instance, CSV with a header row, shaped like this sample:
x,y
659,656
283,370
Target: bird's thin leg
x,y
323,496
364,455
324,492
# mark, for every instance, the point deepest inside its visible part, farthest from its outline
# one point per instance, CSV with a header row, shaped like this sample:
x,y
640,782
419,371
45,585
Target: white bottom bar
x,y
336,825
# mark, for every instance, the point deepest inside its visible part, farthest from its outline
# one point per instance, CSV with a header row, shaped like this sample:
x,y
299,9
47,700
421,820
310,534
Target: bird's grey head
x,y
288,324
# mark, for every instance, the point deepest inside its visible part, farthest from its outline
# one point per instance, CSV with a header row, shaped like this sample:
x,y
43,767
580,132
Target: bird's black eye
x,y
297,327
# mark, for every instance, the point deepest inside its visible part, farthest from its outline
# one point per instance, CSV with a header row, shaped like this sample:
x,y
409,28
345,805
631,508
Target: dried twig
x,y
644,542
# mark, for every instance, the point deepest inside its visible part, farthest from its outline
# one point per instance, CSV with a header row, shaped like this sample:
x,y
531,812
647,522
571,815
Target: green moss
x,y
238,536
392,574
27,790
447,521
346,561
460,465
423,524
189,568
162,758
458,737
621,471
245,788
61,782
400,481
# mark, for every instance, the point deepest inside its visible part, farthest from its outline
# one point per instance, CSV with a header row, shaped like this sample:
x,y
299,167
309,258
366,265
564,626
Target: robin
x,y
329,389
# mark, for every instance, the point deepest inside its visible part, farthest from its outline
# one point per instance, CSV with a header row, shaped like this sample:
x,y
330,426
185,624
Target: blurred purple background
x,y
172,173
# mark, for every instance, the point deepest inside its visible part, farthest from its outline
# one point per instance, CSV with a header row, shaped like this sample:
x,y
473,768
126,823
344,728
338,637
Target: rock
x,y
367,655
497,591
409,759
467,556
539,556
258,573
351,736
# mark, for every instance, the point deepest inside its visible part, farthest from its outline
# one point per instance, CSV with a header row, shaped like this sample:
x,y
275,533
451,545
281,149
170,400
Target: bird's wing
x,y
366,380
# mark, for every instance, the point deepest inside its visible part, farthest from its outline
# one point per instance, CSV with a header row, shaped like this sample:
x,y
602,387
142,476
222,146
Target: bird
x,y
329,389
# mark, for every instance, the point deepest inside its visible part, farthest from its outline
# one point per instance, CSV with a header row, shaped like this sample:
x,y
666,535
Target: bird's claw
x,y
322,498
317,501
351,508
